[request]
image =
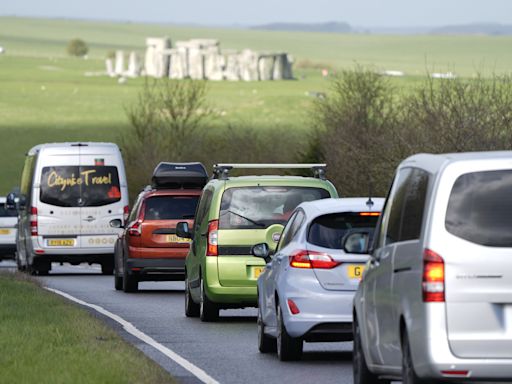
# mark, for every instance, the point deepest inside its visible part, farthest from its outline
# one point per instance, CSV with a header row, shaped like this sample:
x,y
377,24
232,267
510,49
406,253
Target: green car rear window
x,y
260,207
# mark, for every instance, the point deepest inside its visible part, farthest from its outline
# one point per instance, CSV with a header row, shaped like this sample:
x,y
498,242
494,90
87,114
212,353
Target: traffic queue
x,y
400,276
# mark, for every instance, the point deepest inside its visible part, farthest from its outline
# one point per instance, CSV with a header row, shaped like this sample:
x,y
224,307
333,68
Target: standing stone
x,y
288,71
195,63
178,63
214,66
266,67
231,65
249,65
279,66
119,64
156,62
134,65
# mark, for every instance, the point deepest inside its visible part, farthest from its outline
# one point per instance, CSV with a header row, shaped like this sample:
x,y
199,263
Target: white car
x,y
8,224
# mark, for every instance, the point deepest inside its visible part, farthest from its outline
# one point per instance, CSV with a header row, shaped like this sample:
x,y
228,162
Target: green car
x,y
233,214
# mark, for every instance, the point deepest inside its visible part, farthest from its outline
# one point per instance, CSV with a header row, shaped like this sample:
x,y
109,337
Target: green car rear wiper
x,y
243,217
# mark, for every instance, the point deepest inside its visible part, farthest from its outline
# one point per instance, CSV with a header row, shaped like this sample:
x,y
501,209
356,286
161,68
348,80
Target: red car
x,y
148,249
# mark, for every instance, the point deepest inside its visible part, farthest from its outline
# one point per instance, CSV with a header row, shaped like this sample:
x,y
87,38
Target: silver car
x,y
435,302
306,290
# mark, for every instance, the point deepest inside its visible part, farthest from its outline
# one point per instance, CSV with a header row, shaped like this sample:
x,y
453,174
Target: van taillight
x,y
213,238
310,259
433,277
126,213
135,229
33,221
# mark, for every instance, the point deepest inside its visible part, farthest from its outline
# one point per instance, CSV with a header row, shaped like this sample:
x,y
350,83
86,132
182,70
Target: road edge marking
x,y
132,330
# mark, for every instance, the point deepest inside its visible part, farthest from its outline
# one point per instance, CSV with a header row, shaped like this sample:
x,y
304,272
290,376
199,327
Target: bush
x,y
364,128
163,126
354,132
77,47
459,115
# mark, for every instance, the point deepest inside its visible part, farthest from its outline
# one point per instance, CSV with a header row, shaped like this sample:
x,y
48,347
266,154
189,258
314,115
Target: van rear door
x,y
101,199
478,265
58,211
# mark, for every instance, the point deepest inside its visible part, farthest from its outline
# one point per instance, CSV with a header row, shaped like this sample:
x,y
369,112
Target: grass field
x,y
45,96
45,339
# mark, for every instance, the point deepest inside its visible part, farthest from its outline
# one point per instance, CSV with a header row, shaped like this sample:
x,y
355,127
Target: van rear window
x,y
260,207
170,207
80,186
480,208
328,231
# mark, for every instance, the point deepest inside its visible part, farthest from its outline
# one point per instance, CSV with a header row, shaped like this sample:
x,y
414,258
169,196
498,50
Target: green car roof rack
x,y
221,171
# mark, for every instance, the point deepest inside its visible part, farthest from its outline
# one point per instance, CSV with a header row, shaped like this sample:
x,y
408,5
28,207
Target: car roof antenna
x,y
369,202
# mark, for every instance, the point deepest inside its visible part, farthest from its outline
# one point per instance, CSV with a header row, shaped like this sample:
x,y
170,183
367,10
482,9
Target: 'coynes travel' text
x,y
85,178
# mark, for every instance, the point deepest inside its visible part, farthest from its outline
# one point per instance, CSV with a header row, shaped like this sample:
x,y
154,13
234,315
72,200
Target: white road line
x,y
131,329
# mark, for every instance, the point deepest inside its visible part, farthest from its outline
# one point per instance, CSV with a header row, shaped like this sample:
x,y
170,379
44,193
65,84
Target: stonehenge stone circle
x,y
201,59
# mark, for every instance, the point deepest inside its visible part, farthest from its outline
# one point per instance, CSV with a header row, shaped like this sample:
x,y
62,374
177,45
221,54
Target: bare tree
x,y
163,125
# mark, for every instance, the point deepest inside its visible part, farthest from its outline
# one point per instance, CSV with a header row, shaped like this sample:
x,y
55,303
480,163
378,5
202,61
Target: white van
x,y
70,192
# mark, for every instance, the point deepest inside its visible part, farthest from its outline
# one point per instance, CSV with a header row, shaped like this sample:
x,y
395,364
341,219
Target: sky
x,y
359,13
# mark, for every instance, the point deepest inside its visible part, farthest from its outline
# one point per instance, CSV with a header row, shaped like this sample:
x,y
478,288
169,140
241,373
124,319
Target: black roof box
x,y
179,175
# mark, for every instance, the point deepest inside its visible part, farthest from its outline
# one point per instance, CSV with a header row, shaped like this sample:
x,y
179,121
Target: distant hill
x,y
329,27
474,29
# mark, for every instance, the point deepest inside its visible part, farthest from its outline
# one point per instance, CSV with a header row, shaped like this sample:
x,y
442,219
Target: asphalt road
x,y
227,350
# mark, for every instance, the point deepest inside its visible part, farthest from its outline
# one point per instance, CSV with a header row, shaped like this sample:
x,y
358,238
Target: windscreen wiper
x,y
243,217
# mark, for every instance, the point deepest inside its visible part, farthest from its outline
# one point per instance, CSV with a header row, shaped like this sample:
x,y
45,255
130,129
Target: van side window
x,y
414,205
26,178
393,212
407,206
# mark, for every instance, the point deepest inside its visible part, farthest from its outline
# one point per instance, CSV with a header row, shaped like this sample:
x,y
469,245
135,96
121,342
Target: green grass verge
x,y
45,339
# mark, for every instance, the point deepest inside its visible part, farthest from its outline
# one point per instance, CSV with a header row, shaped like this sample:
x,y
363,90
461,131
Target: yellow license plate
x,y
176,239
257,271
355,271
5,231
61,242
